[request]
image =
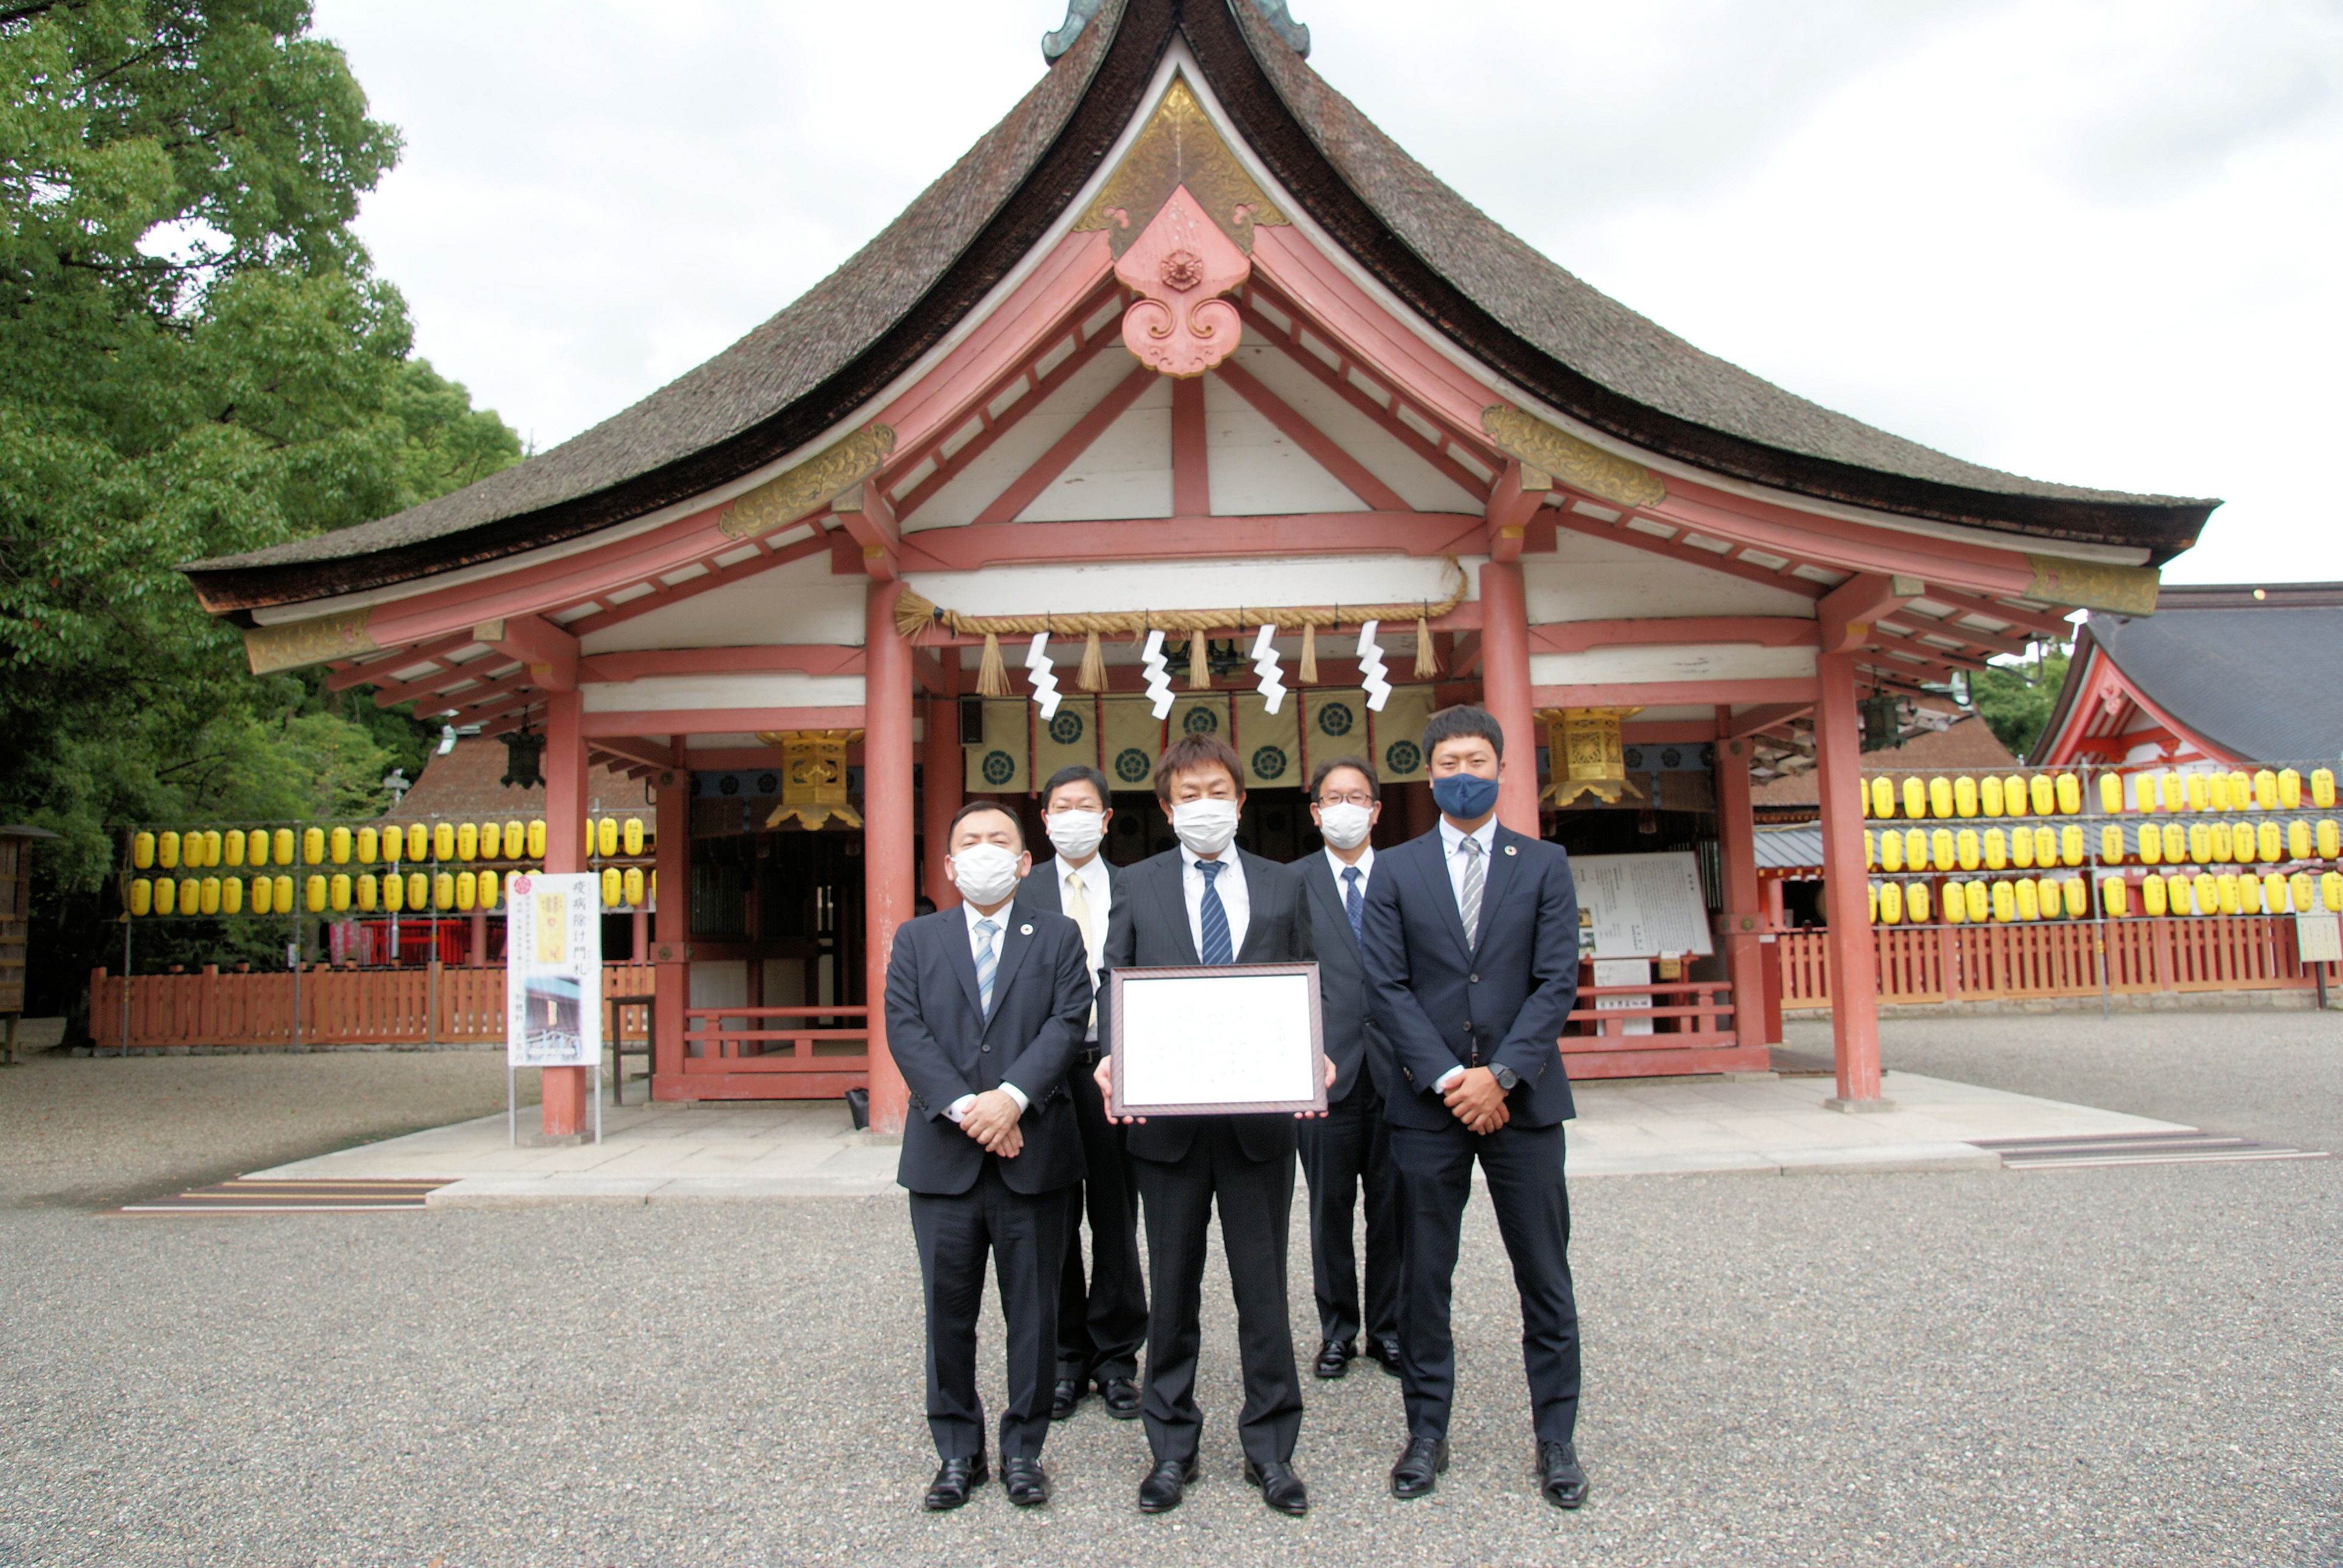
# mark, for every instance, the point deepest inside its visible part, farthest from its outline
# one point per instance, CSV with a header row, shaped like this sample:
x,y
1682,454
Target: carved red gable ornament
x,y
1180,265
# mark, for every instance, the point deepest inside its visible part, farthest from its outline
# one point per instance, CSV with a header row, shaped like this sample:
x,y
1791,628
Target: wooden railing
x,y
439,1006
766,1053
2059,959
1692,1031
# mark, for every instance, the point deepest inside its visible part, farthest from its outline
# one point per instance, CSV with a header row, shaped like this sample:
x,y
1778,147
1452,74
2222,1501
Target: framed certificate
x,y
1217,1041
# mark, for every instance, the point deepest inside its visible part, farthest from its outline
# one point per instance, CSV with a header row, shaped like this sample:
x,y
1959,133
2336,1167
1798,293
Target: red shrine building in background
x,y
1185,345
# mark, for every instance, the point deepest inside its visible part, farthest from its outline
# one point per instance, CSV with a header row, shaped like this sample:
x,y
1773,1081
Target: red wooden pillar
x,y
1853,963
940,793
1505,689
672,925
887,833
563,1089
1745,915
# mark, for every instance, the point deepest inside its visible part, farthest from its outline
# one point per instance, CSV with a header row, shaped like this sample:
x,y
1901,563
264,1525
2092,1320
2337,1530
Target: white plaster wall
x,y
1255,470
1384,455
1022,443
691,692
1674,661
719,983
1588,578
798,602
1125,473
1192,585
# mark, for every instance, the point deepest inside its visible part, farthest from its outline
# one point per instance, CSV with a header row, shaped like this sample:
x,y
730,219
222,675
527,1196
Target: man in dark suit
x,y
1100,1322
1471,945
1351,1147
1208,902
985,1005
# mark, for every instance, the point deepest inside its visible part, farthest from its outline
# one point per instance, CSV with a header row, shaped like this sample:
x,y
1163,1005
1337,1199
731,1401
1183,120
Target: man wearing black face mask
x,y
1470,940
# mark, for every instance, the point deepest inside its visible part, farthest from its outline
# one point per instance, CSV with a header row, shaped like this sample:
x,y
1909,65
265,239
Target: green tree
x,y
2015,699
198,362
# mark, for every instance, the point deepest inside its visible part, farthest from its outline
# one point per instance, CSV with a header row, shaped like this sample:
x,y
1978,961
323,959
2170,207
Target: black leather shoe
x,y
1120,1397
1335,1357
1384,1351
1280,1487
1027,1486
1419,1462
1559,1477
1165,1484
1065,1395
954,1480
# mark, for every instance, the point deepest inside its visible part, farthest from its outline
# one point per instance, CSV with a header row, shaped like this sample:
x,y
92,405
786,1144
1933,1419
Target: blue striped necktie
x,y
1353,905
1215,917
987,965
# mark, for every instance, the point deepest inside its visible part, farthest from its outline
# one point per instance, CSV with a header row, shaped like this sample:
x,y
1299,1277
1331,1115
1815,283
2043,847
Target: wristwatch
x,y
1505,1076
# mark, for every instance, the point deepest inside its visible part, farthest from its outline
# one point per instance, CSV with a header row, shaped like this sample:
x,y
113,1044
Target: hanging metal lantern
x,y
523,752
813,776
1585,755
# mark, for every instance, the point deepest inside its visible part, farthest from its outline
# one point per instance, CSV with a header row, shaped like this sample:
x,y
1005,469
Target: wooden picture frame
x,y
1183,1035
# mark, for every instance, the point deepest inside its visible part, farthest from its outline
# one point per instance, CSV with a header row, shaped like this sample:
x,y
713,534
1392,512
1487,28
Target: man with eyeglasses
x,y
1351,1147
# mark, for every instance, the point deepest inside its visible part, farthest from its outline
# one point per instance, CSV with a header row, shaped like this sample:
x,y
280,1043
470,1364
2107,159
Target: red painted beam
x,y
375,671
716,577
1027,487
1353,474
805,658
981,545
1676,549
1191,476
722,720
550,652
1671,693
1517,496
1764,717
865,514
1847,612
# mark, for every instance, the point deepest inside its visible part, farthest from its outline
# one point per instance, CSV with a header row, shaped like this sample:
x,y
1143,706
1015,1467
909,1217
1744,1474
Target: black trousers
x,y
1256,1205
1523,1165
1102,1321
1025,1233
1350,1148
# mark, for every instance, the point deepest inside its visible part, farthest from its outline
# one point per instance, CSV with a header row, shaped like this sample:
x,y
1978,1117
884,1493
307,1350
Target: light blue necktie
x,y
987,965
1214,918
1353,905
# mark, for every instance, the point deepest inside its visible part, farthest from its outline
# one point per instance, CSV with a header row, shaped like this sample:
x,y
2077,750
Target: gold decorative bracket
x,y
810,486
1573,462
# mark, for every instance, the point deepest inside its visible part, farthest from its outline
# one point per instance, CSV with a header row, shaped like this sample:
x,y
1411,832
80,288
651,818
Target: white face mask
x,y
1345,826
1075,834
985,874
1206,827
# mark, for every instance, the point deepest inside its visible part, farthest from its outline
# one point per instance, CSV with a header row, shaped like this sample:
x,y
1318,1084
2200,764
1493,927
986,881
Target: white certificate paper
x,y
1202,1042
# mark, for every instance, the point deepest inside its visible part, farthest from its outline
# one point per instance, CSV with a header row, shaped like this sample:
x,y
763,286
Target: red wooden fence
x,y
1692,1031
766,1053
2059,959
338,1007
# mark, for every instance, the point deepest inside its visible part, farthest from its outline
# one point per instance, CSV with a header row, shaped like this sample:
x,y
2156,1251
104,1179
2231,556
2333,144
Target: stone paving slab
x,y
1753,1123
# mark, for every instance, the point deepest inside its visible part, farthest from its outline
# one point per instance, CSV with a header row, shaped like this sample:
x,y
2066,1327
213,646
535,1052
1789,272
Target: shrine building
x,y
1185,346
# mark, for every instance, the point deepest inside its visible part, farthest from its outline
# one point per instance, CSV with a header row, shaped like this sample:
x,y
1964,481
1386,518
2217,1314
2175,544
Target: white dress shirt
x,y
1101,894
999,918
1364,866
1230,885
1452,839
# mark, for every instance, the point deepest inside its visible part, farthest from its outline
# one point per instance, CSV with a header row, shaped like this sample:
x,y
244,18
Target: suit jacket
x,y
1044,889
1504,1000
1354,1040
1149,928
946,1047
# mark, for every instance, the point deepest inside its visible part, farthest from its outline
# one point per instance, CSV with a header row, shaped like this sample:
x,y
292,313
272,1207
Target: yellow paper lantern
x,y
1997,850
2043,792
1964,796
215,844
367,841
264,896
2330,839
468,891
2070,845
191,896
487,889
2241,790
516,841
166,851
589,838
208,894
2004,902
1915,903
468,841
2111,796
2330,889
606,834
2111,846
1977,897
1878,798
631,831
2181,893
1891,905
537,839
2216,792
2211,898
2152,896
313,892
2322,788
2046,846
233,846
281,847
2268,841
2249,894
418,889
393,845
2275,893
191,850
369,889
2175,844
2224,850
2199,792
2069,788
418,841
2115,898
1940,797
2266,790
2290,790
1873,888
2151,844
232,893
2143,788
313,846
284,887
2021,848
492,841
337,845
255,847
2029,900
634,887
142,849
2015,795
1942,851
2301,891
1956,903
1965,848
2200,843
2298,840
1916,848
167,896
442,890
443,841
337,891
1891,851
613,885
1989,799
2077,895
394,892
1870,848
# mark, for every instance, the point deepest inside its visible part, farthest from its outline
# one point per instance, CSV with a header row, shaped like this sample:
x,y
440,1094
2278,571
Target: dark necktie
x,y
1353,905
1214,918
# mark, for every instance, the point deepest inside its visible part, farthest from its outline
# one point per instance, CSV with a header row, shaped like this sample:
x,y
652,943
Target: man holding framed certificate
x,y
1471,944
1210,1069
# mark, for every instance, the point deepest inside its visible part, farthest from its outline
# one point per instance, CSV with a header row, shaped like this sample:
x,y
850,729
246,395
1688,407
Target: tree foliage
x,y
2015,699
199,362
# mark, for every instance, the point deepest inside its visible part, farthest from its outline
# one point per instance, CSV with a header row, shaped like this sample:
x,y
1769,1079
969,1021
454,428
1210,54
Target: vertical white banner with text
x,y
553,971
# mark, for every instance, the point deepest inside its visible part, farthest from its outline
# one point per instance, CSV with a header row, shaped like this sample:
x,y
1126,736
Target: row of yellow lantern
x,y
2044,898
2197,844
2046,795
443,892
199,849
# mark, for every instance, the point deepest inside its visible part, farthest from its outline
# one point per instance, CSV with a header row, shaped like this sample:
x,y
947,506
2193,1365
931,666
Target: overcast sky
x,y
2094,242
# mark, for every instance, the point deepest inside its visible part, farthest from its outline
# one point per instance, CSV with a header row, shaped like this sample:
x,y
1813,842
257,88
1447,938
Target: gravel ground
x,y
89,1130
2121,1366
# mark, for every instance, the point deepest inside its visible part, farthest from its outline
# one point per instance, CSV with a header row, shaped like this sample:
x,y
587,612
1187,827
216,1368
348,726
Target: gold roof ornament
x,y
1584,755
813,776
